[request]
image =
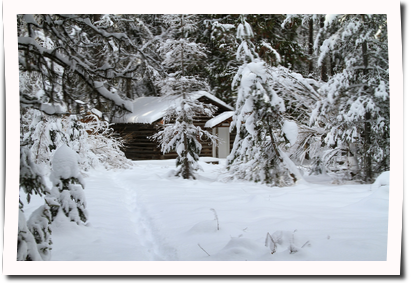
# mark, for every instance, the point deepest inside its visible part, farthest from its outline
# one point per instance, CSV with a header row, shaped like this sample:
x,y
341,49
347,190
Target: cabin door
x,y
223,148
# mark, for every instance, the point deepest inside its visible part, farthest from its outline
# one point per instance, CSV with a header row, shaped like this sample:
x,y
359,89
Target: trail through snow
x,y
119,226
146,231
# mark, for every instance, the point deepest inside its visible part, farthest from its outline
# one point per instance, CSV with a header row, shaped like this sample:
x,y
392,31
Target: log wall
x,y
139,147
137,144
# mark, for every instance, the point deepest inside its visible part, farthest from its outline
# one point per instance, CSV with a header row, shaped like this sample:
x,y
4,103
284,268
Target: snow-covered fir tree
x,y
182,58
26,244
33,240
355,110
256,154
181,135
220,38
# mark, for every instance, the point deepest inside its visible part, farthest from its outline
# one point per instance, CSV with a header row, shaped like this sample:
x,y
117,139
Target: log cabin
x,y
147,118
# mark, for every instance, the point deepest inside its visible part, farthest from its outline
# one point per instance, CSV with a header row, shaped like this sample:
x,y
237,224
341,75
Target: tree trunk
x,y
367,122
185,171
129,93
324,76
276,151
332,65
310,46
367,143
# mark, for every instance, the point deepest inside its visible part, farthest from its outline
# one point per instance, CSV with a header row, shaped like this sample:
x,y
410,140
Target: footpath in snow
x,y
146,214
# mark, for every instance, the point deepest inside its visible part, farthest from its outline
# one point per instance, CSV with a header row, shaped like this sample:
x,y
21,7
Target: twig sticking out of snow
x,y
279,239
293,248
269,241
216,217
203,249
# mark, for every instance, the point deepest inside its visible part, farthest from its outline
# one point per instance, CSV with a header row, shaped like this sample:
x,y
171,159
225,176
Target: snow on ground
x,y
145,213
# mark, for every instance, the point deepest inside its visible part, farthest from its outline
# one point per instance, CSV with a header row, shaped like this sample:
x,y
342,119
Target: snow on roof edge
x,y
219,119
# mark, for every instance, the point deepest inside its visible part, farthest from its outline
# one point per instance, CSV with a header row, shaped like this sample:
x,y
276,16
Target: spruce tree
x,y
33,236
182,58
220,39
256,154
355,111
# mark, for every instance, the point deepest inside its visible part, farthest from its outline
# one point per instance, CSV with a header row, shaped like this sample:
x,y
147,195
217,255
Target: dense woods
x,y
310,92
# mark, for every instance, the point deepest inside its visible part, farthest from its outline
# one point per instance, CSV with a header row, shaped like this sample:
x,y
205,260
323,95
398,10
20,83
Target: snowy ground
x,y
146,214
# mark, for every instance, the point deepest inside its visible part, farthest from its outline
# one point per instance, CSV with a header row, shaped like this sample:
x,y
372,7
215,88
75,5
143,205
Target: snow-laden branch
x,y
27,43
88,23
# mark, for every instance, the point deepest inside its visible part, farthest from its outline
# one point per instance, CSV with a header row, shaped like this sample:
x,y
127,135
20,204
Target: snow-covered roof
x,y
219,119
147,110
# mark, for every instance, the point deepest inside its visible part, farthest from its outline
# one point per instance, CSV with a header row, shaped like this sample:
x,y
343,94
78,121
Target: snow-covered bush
x,y
97,144
68,184
383,180
92,138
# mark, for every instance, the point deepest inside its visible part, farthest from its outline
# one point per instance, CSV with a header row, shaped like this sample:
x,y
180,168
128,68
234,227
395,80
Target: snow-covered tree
x,y
181,135
41,135
355,110
256,154
33,236
182,58
26,244
39,226
220,39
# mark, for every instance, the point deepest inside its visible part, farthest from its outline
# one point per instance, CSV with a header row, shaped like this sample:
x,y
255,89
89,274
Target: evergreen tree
x,y
34,237
277,41
220,39
355,111
182,59
26,243
181,135
258,120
